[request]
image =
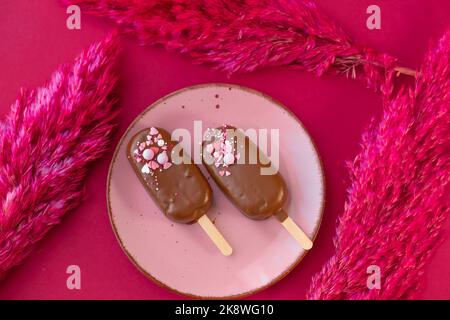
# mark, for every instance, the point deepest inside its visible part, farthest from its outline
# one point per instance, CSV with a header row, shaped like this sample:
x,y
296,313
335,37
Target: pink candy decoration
x,y
162,158
154,165
141,152
148,154
167,165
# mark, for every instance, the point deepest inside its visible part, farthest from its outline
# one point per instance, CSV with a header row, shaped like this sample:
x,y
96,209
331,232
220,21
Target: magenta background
x,y
335,111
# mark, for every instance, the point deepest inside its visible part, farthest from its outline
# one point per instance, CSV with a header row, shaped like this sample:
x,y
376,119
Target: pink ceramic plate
x,y
181,257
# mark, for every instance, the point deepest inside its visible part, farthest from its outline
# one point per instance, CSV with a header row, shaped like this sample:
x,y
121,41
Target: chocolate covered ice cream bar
x,y
236,164
180,190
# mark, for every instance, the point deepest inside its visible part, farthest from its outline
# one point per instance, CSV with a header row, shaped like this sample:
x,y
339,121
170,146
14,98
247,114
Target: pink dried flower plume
x,y
398,199
245,35
48,140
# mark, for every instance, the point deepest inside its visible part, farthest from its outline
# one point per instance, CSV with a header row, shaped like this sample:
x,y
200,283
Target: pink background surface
x,y
335,111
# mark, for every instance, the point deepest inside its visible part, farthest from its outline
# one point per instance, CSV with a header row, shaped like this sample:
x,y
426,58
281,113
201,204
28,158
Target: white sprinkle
x,y
228,159
145,169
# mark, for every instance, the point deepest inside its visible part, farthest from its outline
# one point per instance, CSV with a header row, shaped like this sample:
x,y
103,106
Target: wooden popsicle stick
x,y
215,235
297,233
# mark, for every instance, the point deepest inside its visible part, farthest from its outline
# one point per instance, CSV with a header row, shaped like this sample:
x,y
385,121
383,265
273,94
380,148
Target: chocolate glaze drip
x,y
181,191
257,196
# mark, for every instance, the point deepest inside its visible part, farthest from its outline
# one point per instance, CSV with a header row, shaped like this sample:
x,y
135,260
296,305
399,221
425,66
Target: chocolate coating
x,y
257,196
180,191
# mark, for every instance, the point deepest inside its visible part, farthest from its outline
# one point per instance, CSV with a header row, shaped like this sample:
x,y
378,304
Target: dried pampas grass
x,y
48,140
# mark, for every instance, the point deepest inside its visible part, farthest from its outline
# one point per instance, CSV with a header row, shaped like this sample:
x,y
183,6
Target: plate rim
x,y
147,273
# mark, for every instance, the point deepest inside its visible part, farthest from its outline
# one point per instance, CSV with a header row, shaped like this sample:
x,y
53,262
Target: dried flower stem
x,y
406,71
349,65
398,200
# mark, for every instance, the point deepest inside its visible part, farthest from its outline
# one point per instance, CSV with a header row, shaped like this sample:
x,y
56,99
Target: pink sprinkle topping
x,y
223,152
154,165
155,155
228,159
167,165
